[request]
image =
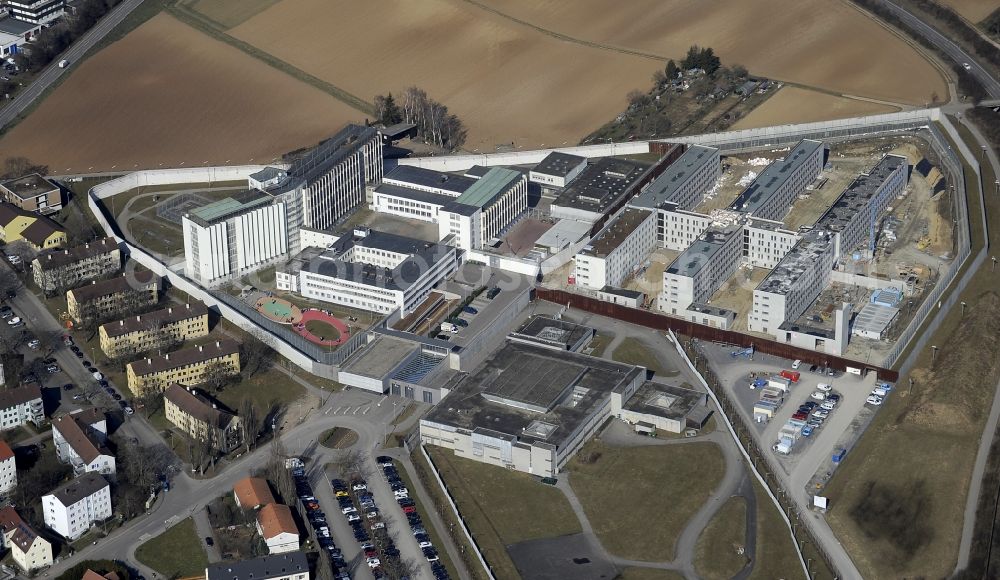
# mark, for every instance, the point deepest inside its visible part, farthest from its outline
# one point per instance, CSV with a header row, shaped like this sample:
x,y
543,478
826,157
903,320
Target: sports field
x,y
168,94
795,105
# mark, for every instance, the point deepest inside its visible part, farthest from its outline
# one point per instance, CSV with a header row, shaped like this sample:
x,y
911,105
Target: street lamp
x,y
933,352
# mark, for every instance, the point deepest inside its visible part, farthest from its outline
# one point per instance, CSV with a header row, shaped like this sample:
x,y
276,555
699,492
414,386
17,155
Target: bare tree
x,y
249,422
255,355
19,166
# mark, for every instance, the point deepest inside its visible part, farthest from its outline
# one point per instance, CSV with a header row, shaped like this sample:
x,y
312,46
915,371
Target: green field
x,y
716,557
178,552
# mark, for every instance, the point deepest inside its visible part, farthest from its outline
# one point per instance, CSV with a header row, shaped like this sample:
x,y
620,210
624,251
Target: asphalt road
x,y
951,49
73,54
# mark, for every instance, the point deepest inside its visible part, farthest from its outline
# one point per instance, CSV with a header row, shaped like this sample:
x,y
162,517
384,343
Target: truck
x,y
779,382
448,327
791,375
764,410
63,63
784,446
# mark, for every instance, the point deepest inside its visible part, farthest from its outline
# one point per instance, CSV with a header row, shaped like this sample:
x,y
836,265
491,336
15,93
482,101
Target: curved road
x,y
75,52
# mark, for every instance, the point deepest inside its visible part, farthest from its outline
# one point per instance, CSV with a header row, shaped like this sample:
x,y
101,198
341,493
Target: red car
x,y
800,416
409,509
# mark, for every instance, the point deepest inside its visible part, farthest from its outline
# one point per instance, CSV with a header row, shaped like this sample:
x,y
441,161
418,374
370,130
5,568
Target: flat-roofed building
x,y
541,330
15,35
32,193
234,236
771,194
73,507
528,407
190,366
29,550
691,279
557,170
202,418
766,242
158,329
599,189
287,566
485,210
36,11
684,182
57,270
428,181
103,299
370,270
660,406
21,405
616,251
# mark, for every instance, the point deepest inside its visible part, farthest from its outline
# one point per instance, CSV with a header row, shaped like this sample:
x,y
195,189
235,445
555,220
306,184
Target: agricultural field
x,y
973,10
798,105
169,95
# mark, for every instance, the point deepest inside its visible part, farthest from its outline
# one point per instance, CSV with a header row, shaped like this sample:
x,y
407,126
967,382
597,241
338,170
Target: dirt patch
x,y
821,43
798,105
974,10
168,95
230,13
338,438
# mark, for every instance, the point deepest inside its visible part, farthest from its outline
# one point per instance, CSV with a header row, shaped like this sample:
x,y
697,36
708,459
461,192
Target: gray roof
x,y
601,184
664,188
266,174
551,332
418,176
700,252
774,176
633,294
875,317
559,164
855,198
273,566
15,26
797,261
29,186
84,486
329,153
476,171
616,232
667,401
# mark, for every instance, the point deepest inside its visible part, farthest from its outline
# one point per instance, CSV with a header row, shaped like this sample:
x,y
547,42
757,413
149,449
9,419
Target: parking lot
x,y
810,455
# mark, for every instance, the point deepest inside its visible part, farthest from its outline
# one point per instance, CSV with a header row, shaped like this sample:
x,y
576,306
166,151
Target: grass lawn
x,y
633,352
322,329
266,389
672,481
776,556
716,555
176,552
338,438
531,509
898,500
634,573
599,344
431,530
159,421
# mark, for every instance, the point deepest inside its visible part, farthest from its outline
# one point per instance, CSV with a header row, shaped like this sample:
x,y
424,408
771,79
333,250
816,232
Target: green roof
x,y
496,181
230,206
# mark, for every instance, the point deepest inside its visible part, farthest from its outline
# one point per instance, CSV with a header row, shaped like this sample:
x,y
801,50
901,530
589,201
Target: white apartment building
x,y
557,170
335,174
685,182
8,471
766,242
370,270
616,251
72,508
36,11
676,229
21,405
771,194
288,566
691,279
234,236
80,439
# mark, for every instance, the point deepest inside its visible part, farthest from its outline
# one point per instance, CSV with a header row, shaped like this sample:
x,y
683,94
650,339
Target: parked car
x,y
807,431
796,364
874,400
34,344
825,387
800,416
209,541
53,369
821,413
14,320
470,310
828,405
819,396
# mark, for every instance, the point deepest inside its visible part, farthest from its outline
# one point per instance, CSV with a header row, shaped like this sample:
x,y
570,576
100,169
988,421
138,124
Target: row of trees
x,y
52,41
434,123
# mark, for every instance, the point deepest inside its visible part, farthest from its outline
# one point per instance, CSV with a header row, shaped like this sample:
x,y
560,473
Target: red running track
x,y
313,314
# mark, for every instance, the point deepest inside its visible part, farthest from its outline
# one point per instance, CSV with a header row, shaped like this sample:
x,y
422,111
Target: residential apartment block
x,y
36,11
190,366
288,566
32,193
72,508
684,182
201,418
252,493
691,279
56,270
8,471
617,251
160,328
277,526
80,439
370,270
104,299
37,231
27,548
21,405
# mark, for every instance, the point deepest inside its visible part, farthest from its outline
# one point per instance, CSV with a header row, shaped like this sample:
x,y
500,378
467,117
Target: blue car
x,y
807,431
470,310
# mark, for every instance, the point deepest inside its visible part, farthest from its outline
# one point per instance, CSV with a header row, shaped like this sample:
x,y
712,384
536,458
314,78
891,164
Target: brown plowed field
x,y
974,10
512,82
167,94
795,105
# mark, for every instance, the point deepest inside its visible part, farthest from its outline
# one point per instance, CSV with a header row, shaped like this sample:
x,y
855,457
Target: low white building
x,y
29,550
277,526
72,508
8,470
691,279
234,236
290,566
80,439
617,251
21,405
370,270
661,407
557,170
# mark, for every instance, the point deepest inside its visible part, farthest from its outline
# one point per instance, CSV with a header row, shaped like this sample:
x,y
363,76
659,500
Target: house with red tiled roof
x,y
252,493
277,526
28,550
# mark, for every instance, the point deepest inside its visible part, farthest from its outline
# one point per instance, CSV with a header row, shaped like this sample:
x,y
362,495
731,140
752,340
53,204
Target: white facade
x,y
465,226
767,242
236,246
676,229
316,239
22,405
684,182
618,250
557,170
331,192
82,445
698,272
37,11
8,474
71,520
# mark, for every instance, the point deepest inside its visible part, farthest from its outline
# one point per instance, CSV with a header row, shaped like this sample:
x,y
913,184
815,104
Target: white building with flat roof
x,y
691,279
771,194
557,170
617,251
685,181
370,270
